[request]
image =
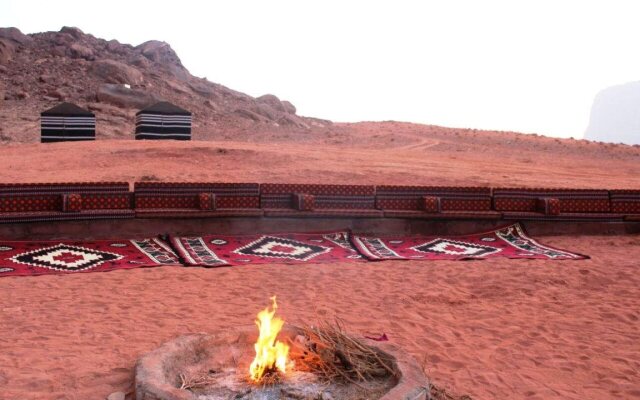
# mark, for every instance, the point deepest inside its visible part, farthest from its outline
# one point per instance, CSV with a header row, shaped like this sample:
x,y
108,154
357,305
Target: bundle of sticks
x,y
334,355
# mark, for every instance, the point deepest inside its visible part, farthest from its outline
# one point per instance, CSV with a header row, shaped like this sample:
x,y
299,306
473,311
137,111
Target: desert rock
x,y
288,107
116,72
73,31
15,35
163,54
79,51
6,51
272,101
123,97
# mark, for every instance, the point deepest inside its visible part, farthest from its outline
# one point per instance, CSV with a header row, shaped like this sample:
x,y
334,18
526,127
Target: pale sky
x,y
528,66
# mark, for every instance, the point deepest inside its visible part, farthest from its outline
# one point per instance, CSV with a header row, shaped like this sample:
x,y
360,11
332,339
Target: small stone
x,y
21,95
116,396
56,94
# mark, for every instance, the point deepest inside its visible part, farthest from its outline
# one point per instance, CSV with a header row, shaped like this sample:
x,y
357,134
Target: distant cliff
x,y
615,115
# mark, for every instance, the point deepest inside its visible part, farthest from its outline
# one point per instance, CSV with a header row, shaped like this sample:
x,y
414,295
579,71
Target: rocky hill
x,y
115,80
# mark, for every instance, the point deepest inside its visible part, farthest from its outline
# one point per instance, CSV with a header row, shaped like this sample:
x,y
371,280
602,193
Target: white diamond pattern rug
x,y
275,247
64,257
455,248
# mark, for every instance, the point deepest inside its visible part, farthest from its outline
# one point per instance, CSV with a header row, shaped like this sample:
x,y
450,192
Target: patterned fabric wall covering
x,y
324,196
177,199
625,201
450,198
65,201
64,187
571,200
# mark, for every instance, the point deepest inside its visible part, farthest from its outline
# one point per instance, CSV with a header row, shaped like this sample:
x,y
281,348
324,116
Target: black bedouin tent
x,y
163,120
67,122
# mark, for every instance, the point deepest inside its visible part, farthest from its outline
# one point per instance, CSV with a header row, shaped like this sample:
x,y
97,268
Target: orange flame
x,y
270,353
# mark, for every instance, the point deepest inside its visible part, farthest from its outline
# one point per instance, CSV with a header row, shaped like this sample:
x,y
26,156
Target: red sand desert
x,y
522,329
498,329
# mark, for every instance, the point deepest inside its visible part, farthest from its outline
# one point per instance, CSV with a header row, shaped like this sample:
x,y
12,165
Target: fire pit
x,y
278,362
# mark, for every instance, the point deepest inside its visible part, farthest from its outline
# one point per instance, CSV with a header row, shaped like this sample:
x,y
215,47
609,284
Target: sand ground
x,y
495,329
521,329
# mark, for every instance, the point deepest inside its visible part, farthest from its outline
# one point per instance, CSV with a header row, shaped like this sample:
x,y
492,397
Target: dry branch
x,y
335,356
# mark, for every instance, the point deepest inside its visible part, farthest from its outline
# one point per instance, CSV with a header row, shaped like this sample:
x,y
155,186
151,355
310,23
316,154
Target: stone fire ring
x,y
157,372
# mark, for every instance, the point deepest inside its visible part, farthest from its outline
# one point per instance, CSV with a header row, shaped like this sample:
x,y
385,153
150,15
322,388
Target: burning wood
x,y
271,354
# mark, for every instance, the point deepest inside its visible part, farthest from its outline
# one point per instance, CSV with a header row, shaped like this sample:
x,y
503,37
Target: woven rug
x,y
289,248
65,257
510,241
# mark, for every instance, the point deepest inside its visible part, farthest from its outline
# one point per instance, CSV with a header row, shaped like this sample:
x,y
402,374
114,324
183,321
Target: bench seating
x,y
626,202
554,204
435,202
196,200
306,200
65,201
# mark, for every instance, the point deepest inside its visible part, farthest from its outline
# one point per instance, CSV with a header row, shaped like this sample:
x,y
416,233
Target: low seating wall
x,y
114,200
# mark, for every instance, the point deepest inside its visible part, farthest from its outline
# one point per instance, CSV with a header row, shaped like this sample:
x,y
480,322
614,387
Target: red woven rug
x,y
510,241
290,248
64,257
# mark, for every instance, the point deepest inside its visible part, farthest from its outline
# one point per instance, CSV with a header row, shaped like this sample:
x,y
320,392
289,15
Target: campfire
x,y
271,355
320,362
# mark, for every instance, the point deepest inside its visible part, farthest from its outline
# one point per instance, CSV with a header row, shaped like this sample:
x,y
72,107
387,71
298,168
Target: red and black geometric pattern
x,y
172,199
571,200
431,204
625,201
64,201
207,201
283,200
219,250
510,241
56,257
303,201
72,202
435,202
548,206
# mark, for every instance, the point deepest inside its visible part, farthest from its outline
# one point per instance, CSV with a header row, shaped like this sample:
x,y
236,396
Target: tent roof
x,y
164,108
68,109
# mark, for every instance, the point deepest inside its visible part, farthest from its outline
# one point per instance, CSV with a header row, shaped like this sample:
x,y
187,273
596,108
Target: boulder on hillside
x,y
162,53
265,110
293,120
15,35
73,31
277,104
116,47
288,107
271,100
77,50
6,51
112,71
123,97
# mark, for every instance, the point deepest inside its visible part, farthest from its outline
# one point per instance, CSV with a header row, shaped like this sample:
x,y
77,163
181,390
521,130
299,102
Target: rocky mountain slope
x,y
115,80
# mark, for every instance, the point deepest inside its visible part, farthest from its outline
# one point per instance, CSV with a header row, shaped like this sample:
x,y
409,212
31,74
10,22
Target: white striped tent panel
x,y
67,119
69,128
67,137
162,134
144,117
